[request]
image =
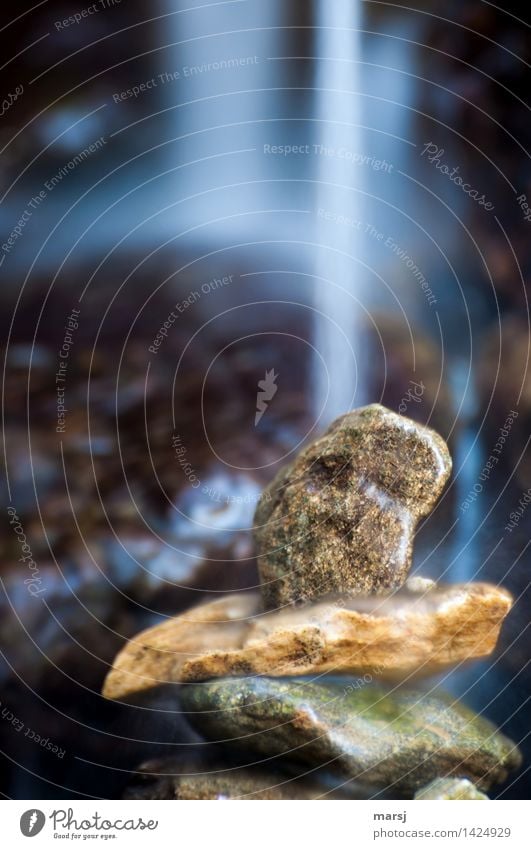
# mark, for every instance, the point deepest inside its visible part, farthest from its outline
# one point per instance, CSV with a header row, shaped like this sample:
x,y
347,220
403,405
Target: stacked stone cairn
x,y
317,679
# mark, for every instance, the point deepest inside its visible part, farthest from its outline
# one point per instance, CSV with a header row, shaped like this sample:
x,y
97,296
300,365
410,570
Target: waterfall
x,y
339,365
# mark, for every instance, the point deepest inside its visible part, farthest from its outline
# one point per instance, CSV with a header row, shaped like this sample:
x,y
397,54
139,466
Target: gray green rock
x,y
202,778
451,788
342,516
397,739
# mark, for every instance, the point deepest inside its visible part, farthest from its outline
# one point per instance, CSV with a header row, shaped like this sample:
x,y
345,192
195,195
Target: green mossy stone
x,y
397,739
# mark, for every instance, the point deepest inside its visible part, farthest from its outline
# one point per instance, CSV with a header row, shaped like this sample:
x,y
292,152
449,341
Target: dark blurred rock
x,y
205,778
481,58
70,625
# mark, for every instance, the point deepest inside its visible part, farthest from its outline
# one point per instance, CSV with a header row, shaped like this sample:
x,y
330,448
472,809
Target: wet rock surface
x,y
342,516
411,632
399,739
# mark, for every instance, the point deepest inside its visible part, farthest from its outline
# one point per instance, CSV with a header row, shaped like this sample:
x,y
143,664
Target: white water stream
x,y
338,287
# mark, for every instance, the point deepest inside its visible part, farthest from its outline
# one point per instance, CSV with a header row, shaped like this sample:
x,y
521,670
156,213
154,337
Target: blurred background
x,y
194,194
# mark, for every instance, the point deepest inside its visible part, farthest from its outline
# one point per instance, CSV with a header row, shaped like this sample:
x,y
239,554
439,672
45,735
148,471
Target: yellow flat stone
x,y
420,630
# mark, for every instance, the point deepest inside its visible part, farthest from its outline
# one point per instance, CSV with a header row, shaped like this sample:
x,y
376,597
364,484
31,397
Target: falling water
x,y
338,276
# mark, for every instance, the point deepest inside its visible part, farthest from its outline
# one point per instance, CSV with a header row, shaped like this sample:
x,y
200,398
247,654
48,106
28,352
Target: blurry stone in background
x,y
55,81
485,58
204,778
